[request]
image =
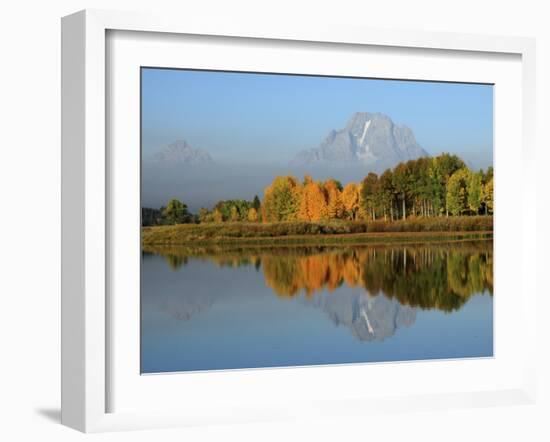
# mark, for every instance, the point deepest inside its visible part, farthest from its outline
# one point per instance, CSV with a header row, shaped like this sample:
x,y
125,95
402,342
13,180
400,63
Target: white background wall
x,y
30,215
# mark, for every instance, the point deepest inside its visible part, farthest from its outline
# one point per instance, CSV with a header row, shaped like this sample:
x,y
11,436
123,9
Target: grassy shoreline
x,y
296,233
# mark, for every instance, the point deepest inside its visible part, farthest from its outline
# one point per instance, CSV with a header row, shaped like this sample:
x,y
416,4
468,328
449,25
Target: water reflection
x,y
439,277
369,318
231,307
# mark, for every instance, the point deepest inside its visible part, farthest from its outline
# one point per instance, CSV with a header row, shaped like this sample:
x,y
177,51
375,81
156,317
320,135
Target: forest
x,y
427,187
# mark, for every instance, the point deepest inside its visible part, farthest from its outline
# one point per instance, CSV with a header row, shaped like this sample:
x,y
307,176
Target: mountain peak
x,y
368,138
181,152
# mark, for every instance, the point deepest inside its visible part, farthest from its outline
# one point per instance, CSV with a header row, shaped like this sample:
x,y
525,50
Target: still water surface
x,y
226,308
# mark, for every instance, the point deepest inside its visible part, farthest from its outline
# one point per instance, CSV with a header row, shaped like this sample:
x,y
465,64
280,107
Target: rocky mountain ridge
x,y
181,152
372,139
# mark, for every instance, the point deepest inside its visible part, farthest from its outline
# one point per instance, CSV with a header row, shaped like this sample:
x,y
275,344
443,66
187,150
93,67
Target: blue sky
x,y
268,118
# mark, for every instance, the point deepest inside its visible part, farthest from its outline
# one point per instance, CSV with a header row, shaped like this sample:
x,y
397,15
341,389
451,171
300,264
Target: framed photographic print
x,y
366,248
268,223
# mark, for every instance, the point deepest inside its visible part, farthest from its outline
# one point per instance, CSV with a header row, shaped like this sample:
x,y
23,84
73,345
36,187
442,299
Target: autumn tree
x,y
475,190
205,216
447,165
252,215
217,216
487,191
281,199
335,206
457,192
350,200
313,203
233,214
487,196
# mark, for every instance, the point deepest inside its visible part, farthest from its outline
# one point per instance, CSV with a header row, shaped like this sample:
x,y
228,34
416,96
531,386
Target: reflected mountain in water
x,y
369,318
392,282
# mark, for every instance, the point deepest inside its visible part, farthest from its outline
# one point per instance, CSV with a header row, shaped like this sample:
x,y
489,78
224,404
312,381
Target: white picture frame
x,y
86,316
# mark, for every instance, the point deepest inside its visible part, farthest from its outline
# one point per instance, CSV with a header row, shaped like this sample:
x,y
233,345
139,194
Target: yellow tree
x,y
217,216
488,196
457,191
234,214
350,200
252,215
335,206
281,199
303,210
313,204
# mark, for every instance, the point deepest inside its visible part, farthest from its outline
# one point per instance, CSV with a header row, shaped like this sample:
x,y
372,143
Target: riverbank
x,y
303,233
238,250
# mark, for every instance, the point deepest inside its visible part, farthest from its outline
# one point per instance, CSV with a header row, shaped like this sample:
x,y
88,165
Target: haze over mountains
x,y
181,152
369,142
370,139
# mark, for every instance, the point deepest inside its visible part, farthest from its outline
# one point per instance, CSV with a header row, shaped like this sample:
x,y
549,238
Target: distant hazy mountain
x,y
371,139
181,152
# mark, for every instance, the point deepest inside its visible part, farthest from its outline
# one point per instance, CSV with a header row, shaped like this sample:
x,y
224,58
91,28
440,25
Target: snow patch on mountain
x,y
367,124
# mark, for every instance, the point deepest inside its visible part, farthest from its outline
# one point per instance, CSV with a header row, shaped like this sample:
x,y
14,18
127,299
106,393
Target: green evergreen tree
x,y
256,203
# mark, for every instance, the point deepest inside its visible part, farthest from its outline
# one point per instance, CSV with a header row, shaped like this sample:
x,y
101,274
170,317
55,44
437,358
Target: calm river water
x,y
226,308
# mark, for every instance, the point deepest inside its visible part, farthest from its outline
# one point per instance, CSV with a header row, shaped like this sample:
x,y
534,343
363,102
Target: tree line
x,y
425,187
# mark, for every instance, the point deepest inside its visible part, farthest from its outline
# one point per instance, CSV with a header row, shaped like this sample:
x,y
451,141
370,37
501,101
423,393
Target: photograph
x,y
293,220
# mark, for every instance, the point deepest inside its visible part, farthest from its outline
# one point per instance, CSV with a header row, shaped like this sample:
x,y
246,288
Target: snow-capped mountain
x,y
368,138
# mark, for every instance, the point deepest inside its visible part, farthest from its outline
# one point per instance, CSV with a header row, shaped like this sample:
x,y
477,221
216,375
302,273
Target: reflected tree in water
x,y
439,277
